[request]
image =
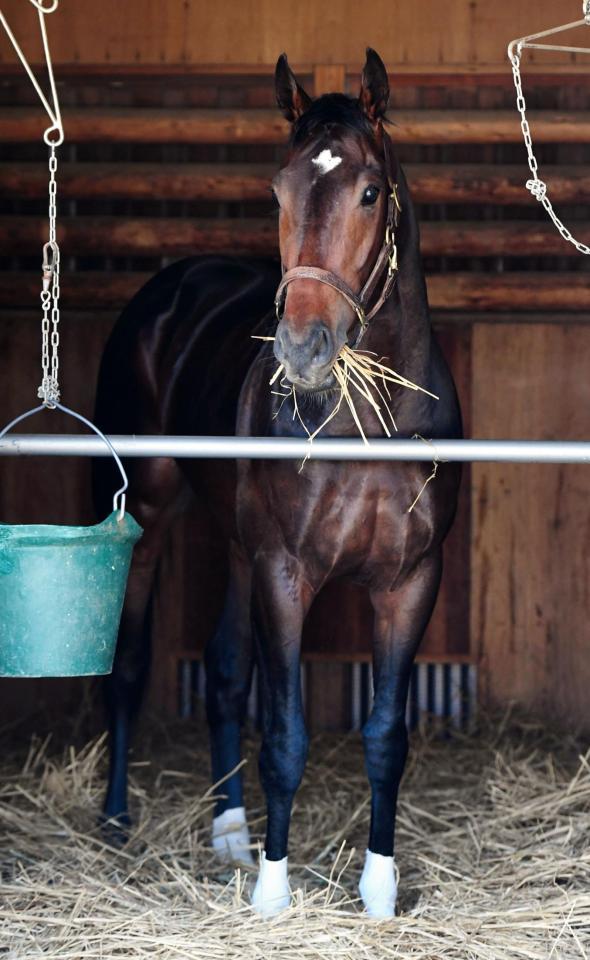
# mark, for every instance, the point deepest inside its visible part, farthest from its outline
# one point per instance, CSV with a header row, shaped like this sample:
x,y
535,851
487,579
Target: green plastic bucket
x,y
62,589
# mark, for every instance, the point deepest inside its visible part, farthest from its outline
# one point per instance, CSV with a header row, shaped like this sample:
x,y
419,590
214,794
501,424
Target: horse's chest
x,y
341,518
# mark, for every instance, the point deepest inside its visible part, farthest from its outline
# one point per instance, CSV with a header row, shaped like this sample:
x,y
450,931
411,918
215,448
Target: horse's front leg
x,y
401,617
281,599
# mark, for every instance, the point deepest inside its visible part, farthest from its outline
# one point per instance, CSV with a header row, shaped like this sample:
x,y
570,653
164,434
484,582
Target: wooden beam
x,y
87,290
328,78
503,238
495,184
413,74
445,319
531,291
173,236
142,181
244,182
144,236
509,291
127,125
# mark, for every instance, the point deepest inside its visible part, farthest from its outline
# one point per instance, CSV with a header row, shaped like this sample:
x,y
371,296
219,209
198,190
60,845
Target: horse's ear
x,y
374,95
291,98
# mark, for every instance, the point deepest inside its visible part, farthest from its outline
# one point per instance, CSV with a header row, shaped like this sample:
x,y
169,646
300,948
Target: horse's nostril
x,y
322,348
280,347
313,350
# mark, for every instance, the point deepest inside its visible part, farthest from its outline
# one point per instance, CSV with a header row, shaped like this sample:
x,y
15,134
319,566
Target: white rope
x,y
536,185
52,111
53,137
38,4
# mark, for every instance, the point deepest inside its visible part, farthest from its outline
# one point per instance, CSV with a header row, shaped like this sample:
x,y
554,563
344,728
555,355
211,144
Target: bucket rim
x,y
114,528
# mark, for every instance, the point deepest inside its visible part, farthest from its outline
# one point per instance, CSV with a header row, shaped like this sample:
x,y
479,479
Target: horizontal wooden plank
x,y
505,238
142,181
497,184
237,182
168,236
144,236
443,319
416,74
474,292
126,125
509,291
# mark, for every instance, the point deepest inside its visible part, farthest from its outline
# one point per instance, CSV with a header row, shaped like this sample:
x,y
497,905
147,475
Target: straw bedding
x,y
493,852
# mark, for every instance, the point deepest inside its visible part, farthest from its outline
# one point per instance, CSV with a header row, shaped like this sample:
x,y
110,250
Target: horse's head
x,y
336,195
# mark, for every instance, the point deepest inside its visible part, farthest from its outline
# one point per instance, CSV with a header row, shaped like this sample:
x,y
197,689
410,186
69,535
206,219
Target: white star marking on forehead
x,y
325,161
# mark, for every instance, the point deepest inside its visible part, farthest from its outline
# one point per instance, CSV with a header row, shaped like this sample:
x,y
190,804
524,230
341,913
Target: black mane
x,y
331,109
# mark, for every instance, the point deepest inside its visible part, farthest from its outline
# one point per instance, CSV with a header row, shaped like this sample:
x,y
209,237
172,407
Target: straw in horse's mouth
x,y
355,371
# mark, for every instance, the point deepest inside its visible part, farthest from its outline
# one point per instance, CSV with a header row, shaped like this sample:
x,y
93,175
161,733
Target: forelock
x,y
332,109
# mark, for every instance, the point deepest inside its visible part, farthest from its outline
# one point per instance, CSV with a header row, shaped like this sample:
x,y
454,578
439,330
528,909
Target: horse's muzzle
x,y
307,361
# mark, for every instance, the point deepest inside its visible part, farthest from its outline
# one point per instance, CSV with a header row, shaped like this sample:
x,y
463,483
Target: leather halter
x,y
386,261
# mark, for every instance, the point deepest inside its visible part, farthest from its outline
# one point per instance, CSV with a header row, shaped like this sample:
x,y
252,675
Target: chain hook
x,y
50,256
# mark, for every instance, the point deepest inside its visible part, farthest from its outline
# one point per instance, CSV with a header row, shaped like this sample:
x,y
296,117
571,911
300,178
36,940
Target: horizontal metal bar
x,y
291,448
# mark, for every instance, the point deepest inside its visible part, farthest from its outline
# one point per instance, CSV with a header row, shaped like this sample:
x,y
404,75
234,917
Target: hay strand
x,y
367,376
492,848
361,371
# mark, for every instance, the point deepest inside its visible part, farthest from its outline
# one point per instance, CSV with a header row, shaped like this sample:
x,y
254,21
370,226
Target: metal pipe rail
x,y
291,448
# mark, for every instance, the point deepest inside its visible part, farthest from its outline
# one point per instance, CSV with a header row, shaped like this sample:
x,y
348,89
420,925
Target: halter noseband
x,y
386,260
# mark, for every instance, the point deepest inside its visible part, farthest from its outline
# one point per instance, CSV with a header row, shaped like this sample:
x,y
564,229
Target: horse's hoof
x,y
378,886
231,837
115,830
271,894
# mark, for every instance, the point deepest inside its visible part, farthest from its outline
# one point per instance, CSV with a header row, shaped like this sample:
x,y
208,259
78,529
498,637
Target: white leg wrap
x,y
272,893
378,886
231,837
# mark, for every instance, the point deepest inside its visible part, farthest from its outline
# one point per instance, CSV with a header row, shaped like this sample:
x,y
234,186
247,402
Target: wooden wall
x,y
441,35
530,602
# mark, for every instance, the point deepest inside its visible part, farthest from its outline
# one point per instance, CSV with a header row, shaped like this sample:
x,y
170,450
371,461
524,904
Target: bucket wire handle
x,y
119,496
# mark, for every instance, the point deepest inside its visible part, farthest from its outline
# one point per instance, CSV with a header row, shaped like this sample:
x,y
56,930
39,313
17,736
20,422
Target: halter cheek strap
x,y
385,268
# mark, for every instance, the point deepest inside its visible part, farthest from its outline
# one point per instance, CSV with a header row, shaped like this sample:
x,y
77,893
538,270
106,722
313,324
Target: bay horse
x,y
182,360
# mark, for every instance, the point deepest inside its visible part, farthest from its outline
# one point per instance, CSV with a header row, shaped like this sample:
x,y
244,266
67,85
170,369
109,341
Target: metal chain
x,y
538,187
49,389
53,137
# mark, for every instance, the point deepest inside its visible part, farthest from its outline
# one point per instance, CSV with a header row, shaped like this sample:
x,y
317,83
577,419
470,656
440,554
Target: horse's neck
x,y
405,316
401,331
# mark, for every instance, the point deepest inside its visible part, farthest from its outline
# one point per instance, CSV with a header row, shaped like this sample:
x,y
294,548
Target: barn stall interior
x,y
172,136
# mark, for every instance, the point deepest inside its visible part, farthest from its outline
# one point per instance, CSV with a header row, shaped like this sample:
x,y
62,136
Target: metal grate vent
x,y
444,690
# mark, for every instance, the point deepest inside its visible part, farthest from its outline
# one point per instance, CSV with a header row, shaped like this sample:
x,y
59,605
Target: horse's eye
x,y
370,195
275,199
